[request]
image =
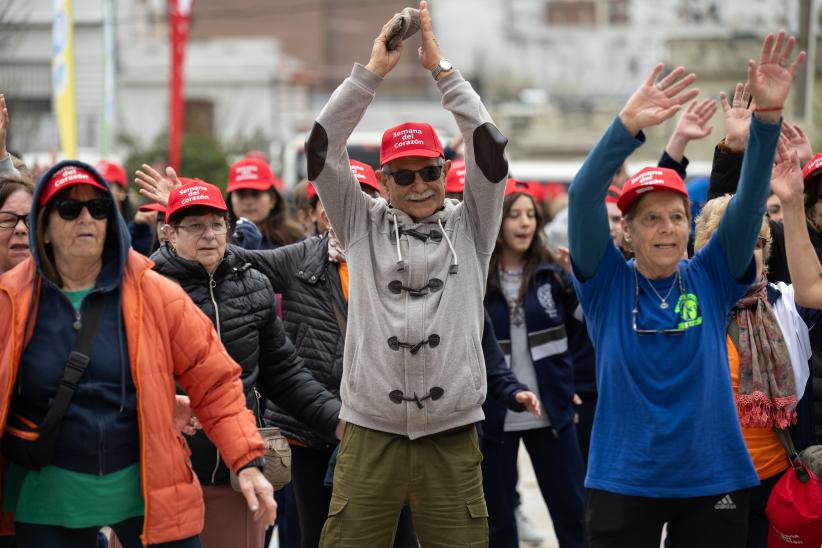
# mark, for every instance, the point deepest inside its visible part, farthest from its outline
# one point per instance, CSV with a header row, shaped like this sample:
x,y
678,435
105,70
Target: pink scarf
x,y
766,397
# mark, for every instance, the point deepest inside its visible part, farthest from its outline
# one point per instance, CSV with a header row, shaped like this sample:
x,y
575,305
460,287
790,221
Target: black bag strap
x,y
77,362
785,440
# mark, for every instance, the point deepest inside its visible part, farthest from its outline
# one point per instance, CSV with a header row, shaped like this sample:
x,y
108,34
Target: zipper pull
x,y
258,397
77,323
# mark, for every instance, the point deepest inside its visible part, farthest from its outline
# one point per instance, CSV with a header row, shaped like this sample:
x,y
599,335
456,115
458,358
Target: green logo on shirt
x,y
688,309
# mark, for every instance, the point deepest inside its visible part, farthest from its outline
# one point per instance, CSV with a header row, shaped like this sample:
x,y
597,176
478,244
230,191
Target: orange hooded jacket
x,y
169,341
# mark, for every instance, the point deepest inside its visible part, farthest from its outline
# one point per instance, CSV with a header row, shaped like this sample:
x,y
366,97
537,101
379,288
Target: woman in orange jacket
x,y
119,460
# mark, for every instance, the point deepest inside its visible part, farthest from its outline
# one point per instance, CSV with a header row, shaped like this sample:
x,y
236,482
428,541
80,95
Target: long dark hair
x,y
536,253
279,227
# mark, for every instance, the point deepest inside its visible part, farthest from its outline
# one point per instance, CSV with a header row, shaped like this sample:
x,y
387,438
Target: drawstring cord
x,y
454,266
400,262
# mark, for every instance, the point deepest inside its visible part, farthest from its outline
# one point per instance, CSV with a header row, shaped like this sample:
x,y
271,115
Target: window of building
x,y
570,12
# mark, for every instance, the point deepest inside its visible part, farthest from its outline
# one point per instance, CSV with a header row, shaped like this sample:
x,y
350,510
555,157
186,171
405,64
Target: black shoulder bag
x,y
33,446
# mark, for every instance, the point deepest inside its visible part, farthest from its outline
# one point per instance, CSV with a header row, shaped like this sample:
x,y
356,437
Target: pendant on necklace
x,y
663,305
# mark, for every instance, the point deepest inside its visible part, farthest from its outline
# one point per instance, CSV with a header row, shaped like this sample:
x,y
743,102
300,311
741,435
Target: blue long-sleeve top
x,y
588,233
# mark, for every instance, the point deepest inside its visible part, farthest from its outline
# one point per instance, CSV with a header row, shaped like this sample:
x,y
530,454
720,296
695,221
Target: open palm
x,y
770,80
155,186
786,178
654,102
737,116
693,124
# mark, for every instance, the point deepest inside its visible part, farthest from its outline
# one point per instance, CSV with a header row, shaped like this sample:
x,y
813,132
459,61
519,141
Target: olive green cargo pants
x,y
438,476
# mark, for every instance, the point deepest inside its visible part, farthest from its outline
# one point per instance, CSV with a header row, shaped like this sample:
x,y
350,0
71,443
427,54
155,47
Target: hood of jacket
x,y
117,241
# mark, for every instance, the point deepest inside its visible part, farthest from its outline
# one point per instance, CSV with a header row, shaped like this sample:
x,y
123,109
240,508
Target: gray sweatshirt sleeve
x,y
485,163
328,168
7,166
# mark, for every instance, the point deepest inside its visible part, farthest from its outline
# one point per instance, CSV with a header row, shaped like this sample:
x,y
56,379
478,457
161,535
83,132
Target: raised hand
x,y
771,79
4,127
798,141
430,50
382,59
692,125
654,102
737,117
154,186
786,177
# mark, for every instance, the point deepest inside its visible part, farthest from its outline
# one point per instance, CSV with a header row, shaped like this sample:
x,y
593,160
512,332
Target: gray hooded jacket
x,y
413,362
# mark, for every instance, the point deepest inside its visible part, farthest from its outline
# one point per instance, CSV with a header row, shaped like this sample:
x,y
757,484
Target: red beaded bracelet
x,y
771,109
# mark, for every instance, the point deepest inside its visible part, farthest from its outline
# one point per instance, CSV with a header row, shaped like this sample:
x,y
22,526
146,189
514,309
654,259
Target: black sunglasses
x,y
98,208
405,177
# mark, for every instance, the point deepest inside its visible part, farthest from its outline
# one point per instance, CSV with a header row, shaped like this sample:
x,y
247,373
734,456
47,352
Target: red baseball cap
x,y
153,206
455,180
648,179
512,186
112,172
364,174
252,174
613,194
67,177
812,168
310,191
410,139
194,194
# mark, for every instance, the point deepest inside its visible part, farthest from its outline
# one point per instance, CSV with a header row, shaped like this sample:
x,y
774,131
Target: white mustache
x,y
423,196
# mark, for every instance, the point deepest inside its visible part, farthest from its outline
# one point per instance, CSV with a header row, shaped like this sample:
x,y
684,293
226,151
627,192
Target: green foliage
x,y
202,157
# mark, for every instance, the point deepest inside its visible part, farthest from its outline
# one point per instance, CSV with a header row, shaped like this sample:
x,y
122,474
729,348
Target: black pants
x,y
716,521
128,531
759,524
558,468
308,468
288,519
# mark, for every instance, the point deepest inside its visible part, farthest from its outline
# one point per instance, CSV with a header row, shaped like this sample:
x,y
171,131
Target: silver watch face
x,y
445,64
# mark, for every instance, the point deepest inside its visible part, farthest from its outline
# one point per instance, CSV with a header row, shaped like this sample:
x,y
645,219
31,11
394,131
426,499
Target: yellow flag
x,y
62,77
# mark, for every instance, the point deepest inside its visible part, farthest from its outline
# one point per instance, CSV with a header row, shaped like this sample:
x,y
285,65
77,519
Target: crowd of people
x,y
407,327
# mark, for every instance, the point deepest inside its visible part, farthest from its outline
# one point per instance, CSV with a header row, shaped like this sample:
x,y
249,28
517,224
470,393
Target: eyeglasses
x,y
197,229
9,220
405,177
98,208
635,312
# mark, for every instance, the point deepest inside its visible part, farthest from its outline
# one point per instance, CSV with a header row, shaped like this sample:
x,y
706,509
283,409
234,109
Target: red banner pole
x,y
179,12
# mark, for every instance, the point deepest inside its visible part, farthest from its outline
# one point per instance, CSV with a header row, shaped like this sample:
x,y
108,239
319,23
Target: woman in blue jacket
x,y
666,445
530,299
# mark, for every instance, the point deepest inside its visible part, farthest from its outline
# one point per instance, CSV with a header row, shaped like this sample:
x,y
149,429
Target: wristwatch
x,y
259,462
442,66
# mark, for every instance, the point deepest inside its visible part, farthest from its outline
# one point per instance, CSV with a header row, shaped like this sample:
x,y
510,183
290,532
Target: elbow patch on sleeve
x,y
489,146
316,150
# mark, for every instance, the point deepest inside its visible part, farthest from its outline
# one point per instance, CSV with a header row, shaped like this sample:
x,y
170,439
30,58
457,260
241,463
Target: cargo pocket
x,y
477,531
333,528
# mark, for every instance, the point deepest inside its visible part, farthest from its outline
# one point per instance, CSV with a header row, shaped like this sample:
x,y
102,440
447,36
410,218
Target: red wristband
x,y
771,109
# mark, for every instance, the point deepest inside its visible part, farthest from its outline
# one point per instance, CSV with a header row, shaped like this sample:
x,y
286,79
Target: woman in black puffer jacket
x,y
242,305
